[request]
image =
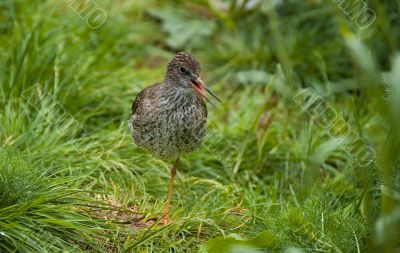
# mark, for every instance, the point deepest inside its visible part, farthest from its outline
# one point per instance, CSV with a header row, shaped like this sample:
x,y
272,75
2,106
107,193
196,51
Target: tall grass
x,y
72,180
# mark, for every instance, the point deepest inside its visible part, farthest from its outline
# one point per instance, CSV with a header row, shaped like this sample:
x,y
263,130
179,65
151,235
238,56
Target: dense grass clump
x,y
71,180
41,213
18,180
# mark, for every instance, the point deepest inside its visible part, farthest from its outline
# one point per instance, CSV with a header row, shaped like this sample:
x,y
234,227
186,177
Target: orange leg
x,y
166,219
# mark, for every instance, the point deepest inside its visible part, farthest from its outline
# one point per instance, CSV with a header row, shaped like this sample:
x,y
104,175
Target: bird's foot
x,y
166,220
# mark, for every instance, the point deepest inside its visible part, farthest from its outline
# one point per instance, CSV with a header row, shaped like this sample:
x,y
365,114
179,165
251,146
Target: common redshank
x,y
169,118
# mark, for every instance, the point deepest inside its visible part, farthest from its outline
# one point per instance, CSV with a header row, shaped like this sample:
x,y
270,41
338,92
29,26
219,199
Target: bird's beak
x,y
201,87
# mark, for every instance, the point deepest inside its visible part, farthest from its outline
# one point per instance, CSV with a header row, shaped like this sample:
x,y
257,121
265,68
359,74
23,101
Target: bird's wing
x,y
145,93
135,102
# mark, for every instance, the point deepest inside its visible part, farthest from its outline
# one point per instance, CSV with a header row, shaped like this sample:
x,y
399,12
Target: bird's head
x,y
184,70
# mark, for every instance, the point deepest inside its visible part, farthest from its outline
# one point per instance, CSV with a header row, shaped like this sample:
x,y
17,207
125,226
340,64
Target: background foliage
x,y
72,180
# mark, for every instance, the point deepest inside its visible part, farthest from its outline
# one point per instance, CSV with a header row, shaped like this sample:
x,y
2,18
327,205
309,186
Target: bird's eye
x,y
182,70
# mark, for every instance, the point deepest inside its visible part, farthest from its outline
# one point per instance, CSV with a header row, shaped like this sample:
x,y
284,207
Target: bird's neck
x,y
177,94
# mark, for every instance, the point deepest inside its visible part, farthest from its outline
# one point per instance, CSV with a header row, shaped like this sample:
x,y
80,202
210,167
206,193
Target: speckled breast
x,y
168,130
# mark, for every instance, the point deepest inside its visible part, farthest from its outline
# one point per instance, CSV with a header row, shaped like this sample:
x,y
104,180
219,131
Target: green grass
x,y
71,179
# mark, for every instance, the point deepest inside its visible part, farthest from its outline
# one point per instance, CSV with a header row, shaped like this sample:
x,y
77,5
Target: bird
x,y
169,118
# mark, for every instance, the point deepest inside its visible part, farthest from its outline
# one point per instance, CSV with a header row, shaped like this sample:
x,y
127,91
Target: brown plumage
x,y
169,118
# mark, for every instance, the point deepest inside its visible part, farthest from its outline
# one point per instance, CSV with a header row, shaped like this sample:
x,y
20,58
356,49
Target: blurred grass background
x,y
71,180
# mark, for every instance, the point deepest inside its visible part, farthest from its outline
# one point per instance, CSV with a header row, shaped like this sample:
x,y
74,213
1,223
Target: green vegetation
x,y
71,179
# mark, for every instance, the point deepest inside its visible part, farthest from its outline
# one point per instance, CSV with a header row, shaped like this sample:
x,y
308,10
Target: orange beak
x,y
201,88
